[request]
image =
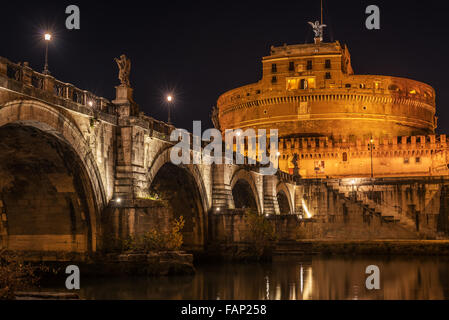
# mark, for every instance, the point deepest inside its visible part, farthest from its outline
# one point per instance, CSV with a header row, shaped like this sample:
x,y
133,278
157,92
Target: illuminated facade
x,y
328,118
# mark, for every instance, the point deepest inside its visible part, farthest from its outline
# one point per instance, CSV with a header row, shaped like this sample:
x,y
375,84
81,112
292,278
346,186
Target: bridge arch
x,y
244,190
285,199
52,190
184,187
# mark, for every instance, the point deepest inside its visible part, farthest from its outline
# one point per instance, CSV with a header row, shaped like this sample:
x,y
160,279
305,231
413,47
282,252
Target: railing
x,y
24,74
47,86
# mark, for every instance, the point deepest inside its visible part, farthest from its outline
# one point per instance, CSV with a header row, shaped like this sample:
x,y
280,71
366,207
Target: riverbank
x,y
372,247
245,251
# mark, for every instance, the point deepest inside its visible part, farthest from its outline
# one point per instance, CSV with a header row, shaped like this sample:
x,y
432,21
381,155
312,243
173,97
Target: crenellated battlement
x,y
339,144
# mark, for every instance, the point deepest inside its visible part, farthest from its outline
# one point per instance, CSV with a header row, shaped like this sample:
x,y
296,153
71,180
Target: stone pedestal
x,y
124,94
124,101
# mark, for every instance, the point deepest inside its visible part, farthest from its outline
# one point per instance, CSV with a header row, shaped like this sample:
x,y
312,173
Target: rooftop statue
x,y
124,65
318,29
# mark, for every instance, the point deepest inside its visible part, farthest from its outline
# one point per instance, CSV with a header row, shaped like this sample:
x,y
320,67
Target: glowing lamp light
x,y
90,103
238,133
278,153
47,37
353,182
118,200
218,209
169,98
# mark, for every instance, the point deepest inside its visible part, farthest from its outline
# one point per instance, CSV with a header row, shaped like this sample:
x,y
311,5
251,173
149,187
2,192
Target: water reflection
x,y
314,278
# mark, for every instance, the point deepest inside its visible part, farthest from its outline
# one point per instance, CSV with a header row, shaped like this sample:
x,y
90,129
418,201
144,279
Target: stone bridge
x,y
76,169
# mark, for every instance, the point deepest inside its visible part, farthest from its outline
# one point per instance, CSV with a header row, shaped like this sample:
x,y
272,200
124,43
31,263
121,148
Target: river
x,y
304,278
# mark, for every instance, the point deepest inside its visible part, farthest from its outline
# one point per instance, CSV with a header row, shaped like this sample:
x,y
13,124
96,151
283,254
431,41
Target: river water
x,y
316,278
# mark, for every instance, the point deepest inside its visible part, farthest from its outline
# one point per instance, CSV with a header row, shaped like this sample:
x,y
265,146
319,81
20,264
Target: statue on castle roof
x,y
124,65
318,29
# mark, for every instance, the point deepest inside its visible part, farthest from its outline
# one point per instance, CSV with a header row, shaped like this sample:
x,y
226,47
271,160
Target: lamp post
x,y
169,101
371,147
47,38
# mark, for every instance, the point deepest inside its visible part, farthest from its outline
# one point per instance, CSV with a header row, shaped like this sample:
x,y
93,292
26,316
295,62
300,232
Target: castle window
x,y
406,160
393,87
417,159
274,79
291,66
328,75
292,83
362,86
258,92
274,68
309,64
348,85
327,64
345,156
303,84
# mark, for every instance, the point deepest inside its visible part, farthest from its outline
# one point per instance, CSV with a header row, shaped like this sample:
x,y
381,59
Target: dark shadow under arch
x,y
243,196
284,206
46,194
177,186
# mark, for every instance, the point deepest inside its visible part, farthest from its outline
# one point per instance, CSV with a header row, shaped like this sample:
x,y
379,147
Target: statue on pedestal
x,y
124,65
318,29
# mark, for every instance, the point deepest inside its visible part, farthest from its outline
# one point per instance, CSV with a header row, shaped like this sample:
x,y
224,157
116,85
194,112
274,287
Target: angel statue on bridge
x,y
124,65
318,29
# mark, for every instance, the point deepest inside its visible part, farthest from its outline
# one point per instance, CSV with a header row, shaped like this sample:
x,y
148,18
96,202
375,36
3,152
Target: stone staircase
x,y
388,213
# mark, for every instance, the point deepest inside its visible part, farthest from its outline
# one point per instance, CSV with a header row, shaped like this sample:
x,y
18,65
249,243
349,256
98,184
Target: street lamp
x,y
169,101
47,38
371,147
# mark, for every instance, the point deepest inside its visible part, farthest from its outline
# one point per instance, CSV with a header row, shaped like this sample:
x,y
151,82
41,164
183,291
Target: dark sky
x,y
202,49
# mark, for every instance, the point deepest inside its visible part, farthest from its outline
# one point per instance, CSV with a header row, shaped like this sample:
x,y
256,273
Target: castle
x,y
333,123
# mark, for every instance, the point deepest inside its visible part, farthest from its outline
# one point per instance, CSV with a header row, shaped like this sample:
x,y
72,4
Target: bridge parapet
x,y
20,77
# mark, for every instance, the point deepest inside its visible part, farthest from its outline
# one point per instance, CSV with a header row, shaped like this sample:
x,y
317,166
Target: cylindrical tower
x,y
311,90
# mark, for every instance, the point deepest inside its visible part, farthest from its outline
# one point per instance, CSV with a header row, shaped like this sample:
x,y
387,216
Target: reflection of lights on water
x,y
292,291
356,292
306,210
306,289
278,292
267,288
301,277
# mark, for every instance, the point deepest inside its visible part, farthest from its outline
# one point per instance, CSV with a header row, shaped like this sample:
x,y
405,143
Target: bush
x,y
15,275
260,233
155,240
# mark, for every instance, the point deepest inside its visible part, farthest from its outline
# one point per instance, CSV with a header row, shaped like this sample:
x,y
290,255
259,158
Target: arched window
x,y
345,156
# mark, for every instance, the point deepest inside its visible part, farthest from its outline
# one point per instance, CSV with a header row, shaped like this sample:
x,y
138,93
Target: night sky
x,y
202,49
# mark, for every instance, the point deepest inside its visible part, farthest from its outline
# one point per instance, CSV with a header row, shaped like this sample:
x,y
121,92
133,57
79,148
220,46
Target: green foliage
x,y
260,233
155,240
15,275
